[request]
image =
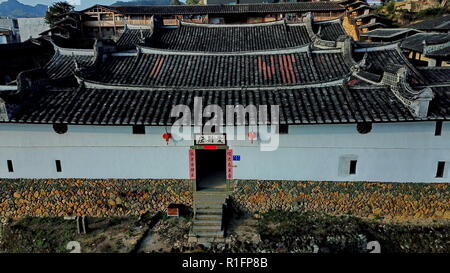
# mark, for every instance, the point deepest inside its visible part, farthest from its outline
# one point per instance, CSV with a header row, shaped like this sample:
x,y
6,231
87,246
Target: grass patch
x,y
38,235
299,232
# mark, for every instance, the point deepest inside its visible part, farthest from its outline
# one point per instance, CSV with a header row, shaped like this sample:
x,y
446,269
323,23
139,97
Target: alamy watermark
x,y
253,123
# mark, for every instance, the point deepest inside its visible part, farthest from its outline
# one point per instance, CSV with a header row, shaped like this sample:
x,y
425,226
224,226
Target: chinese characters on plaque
x,y
210,139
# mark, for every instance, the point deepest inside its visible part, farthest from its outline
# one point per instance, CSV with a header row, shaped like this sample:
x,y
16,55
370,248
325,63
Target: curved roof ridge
x,y
117,86
337,20
73,51
433,67
408,64
152,50
377,48
134,26
277,22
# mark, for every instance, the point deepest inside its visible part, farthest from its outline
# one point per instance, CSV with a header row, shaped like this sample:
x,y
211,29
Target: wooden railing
x,y
117,23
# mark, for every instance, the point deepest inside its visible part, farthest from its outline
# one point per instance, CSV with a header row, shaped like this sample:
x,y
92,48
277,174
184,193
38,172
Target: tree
x,y
55,10
175,2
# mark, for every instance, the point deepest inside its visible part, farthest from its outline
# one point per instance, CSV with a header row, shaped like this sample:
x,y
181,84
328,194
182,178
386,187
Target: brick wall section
x,y
115,197
396,201
350,28
105,197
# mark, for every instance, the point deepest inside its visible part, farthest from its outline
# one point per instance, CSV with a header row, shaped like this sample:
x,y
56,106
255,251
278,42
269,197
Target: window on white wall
x,y
352,168
347,165
58,166
284,129
438,129
440,171
138,129
10,166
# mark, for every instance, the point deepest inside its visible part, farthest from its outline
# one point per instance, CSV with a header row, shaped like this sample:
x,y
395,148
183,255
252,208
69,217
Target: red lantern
x,y
167,137
251,136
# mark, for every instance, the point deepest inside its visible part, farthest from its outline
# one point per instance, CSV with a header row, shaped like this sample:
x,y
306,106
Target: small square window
x,y
352,167
10,166
138,129
438,129
58,166
284,129
440,169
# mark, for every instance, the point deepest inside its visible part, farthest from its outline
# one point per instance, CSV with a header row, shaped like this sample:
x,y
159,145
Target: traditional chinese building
x,y
348,111
431,49
110,21
439,24
387,35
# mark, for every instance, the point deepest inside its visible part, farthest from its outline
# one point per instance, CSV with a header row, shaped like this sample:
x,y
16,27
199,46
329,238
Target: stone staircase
x,y
208,212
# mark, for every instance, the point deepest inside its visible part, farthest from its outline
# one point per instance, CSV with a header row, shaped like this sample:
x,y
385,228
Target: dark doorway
x,y
211,169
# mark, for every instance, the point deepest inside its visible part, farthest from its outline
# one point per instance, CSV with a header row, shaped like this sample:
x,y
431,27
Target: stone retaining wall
x,y
116,197
103,197
397,201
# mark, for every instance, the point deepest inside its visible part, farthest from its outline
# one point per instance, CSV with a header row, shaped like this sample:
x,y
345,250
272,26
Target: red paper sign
x,y
172,212
210,147
192,171
229,164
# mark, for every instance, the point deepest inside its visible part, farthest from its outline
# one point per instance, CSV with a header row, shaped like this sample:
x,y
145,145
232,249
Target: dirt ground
x,y
53,234
272,232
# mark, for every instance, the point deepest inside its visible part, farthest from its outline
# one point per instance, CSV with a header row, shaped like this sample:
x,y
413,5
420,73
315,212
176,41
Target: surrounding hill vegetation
x,y
55,10
14,8
141,2
403,17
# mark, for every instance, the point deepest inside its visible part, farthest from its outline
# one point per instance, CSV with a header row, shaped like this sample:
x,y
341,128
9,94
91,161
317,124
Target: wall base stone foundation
x,y
396,201
102,197
121,197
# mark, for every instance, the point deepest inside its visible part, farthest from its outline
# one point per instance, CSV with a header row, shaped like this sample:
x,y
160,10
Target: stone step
x,y
209,211
210,199
209,217
207,222
218,193
215,228
209,234
208,206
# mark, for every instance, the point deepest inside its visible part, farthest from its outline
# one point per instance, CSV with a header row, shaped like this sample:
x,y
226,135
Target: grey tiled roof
x,y
362,7
372,25
230,38
436,75
362,16
378,60
331,31
333,104
223,9
219,70
62,65
387,32
18,57
440,105
415,42
443,52
130,38
439,23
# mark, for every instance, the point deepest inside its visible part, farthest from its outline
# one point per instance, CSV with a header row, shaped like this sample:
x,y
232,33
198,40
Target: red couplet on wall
x,y
192,172
229,164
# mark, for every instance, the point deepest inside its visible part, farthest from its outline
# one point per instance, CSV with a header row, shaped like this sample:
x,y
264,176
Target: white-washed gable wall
x,y
395,152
